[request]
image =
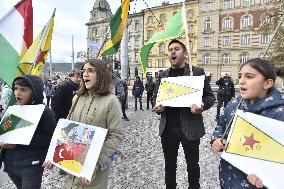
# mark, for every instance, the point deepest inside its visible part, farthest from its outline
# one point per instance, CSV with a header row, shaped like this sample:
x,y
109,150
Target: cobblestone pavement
x,y
143,164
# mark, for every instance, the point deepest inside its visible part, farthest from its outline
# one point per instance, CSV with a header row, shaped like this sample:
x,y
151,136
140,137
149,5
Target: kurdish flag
x,y
36,55
256,146
19,123
173,29
15,28
117,26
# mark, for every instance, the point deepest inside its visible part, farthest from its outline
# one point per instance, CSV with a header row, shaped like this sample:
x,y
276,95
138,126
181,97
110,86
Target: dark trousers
x,y
150,98
171,138
123,107
27,181
48,100
140,100
220,103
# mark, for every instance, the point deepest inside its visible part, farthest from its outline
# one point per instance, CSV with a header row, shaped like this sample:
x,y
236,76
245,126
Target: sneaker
x,y
135,110
126,118
141,110
147,108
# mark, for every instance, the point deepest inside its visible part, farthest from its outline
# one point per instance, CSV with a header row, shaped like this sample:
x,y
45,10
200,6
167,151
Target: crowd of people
x,y
96,95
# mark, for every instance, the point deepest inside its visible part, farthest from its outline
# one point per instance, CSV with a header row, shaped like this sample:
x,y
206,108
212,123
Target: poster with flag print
x,y
181,91
75,147
19,123
256,146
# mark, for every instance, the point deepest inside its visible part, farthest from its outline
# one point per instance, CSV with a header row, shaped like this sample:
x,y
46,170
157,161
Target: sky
x,y
70,19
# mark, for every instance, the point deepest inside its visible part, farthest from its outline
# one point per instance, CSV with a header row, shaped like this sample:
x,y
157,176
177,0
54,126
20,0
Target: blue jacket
x,y
271,106
25,159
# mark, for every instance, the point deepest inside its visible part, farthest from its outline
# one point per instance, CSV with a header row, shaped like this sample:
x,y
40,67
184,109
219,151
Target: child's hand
x,y
218,145
47,165
255,180
87,182
160,108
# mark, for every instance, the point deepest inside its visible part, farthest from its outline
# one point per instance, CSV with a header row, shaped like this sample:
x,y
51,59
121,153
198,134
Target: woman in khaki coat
x,y
96,105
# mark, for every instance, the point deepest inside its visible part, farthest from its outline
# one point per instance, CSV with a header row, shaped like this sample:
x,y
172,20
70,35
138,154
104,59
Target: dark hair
x,y
179,42
103,80
280,72
265,67
21,82
74,72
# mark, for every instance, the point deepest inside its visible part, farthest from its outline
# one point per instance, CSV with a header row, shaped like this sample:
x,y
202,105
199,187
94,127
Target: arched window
x,y
244,57
246,21
163,18
225,59
247,3
265,19
162,48
190,29
150,20
206,58
228,23
208,24
190,14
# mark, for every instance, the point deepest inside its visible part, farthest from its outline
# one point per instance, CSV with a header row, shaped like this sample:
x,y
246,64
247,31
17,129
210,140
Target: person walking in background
x,y
259,96
137,92
225,93
124,102
23,163
150,88
48,90
61,100
182,124
95,104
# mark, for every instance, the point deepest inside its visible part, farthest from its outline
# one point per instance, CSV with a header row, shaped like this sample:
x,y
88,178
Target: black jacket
x,y
192,125
61,101
138,88
226,89
25,159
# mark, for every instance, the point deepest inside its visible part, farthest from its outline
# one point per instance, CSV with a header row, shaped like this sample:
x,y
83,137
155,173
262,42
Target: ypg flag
x,y
256,146
11,122
19,123
181,91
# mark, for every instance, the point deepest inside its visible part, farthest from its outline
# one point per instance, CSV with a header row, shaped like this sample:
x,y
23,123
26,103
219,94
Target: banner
x,y
181,91
75,147
19,123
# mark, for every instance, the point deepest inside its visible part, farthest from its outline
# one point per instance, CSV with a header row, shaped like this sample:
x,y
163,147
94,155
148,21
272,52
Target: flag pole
x,y
72,52
41,40
104,42
186,37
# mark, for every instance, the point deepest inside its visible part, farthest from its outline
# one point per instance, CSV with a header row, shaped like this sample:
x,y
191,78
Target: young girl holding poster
x,y
256,80
96,105
23,163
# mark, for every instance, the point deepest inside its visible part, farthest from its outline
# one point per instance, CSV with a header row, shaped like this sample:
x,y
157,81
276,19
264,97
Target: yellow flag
x,y
247,140
34,59
170,90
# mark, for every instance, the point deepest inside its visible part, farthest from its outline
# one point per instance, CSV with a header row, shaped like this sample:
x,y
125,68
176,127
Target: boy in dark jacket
x,y
23,163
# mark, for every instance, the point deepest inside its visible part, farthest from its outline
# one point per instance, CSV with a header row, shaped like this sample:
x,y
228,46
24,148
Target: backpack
x,y
224,90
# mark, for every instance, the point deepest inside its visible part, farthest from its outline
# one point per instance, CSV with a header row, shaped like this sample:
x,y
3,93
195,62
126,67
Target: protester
x,y
96,105
124,102
225,92
258,96
137,92
48,90
62,98
150,88
180,124
23,163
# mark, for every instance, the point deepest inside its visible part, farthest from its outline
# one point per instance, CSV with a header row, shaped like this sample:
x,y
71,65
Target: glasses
x,y
89,71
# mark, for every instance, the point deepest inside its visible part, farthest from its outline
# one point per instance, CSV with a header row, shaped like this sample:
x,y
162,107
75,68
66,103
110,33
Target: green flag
x,y
174,28
11,122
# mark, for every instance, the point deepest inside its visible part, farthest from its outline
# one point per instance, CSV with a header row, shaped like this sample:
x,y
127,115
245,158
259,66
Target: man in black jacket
x,y
150,88
61,101
180,124
137,92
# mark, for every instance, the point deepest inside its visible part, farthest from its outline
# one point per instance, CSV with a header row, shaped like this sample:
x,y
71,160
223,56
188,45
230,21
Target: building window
x,y
95,32
227,24
207,58
150,33
265,38
136,26
190,29
149,63
266,19
228,4
247,3
225,58
207,42
207,25
245,39
136,40
208,6
265,1
244,57
227,40
163,18
160,63
190,14
261,55
246,21
136,55
150,20
162,48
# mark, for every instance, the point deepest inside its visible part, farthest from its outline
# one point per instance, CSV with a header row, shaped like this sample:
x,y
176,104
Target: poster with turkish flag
x,y
18,126
256,146
75,147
